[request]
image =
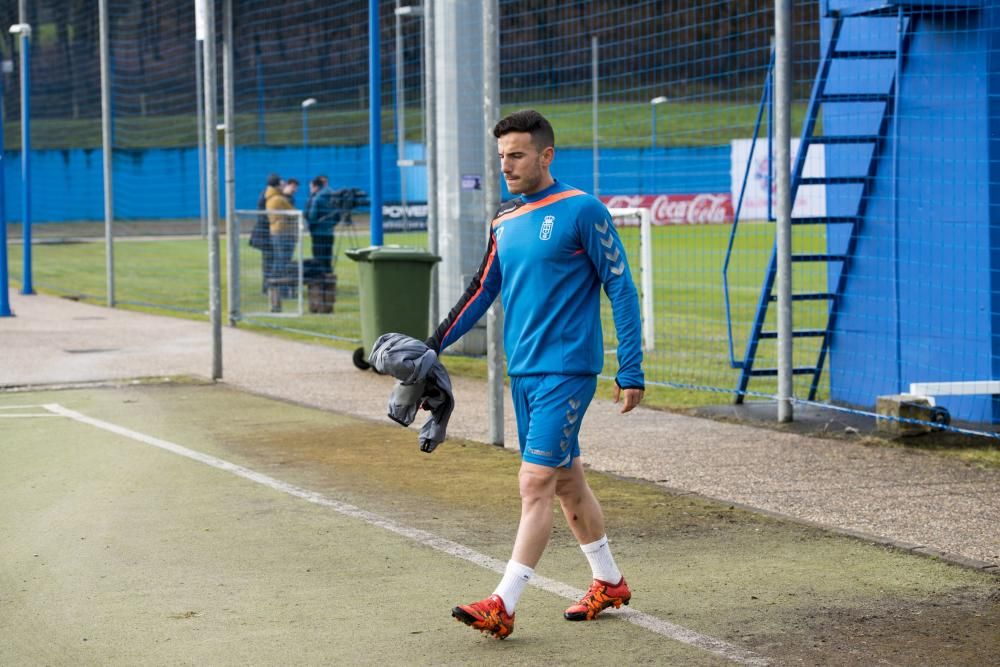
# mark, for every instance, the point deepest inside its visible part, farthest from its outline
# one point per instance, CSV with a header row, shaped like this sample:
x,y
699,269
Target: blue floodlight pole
x,y
4,282
375,123
24,30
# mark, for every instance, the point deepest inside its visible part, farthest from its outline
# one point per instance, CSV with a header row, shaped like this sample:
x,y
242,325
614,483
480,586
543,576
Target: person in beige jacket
x,y
284,228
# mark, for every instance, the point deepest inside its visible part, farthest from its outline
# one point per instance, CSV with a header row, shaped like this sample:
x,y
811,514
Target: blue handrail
x,y
764,102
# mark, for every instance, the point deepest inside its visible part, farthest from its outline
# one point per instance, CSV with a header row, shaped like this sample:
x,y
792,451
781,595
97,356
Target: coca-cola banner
x,y
694,209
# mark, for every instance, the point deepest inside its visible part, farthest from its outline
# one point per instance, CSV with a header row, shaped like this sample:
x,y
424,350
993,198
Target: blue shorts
x,y
549,411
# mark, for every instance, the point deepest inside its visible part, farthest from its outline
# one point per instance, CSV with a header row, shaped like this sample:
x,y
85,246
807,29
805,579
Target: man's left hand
x,y
632,398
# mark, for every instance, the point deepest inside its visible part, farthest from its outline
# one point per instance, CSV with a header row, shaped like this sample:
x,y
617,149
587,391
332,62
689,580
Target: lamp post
x,y
5,311
305,120
23,30
653,103
305,129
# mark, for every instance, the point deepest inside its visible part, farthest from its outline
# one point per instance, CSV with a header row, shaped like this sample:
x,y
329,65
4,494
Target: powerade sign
x,y
396,218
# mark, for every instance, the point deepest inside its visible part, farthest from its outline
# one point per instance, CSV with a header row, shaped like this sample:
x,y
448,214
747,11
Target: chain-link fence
x,y
663,106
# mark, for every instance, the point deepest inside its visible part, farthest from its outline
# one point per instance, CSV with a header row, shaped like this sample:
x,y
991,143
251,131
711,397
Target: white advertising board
x,y
810,200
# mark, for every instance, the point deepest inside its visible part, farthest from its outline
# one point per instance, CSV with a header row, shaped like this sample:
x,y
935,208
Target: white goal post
x,y
645,219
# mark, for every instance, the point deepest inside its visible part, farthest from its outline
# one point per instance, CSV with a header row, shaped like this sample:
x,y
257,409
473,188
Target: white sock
x,y
602,563
515,578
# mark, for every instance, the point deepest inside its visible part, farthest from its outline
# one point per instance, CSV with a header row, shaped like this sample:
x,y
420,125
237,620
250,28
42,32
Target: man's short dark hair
x,y
319,181
530,121
274,180
293,181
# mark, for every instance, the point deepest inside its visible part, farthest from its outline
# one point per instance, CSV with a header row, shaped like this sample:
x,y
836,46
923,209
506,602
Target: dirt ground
x,y
115,552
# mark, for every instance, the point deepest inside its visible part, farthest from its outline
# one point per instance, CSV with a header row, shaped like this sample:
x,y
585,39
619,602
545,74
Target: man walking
x,y
549,252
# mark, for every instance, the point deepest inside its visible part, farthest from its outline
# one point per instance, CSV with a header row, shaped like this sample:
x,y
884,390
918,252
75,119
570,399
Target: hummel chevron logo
x,y
614,257
568,431
571,417
573,403
607,242
618,270
602,228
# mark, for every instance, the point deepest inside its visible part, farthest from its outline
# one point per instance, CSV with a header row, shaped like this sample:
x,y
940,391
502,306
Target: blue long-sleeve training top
x,y
547,256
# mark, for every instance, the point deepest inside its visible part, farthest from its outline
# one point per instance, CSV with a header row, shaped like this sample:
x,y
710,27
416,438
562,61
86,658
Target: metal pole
x,y
199,66
106,152
212,190
228,119
652,132
491,177
305,129
306,105
593,76
375,122
430,151
4,278
25,32
769,84
900,22
783,203
401,114
261,105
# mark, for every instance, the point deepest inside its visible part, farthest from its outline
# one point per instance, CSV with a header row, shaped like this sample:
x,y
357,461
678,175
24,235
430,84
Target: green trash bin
x,y
394,285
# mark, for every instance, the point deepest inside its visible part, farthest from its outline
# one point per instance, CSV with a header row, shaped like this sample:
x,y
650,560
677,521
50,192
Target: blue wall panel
x,y
849,7
917,306
163,183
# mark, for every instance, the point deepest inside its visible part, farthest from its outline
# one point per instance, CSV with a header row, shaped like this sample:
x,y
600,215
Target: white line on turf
x,y
27,416
651,623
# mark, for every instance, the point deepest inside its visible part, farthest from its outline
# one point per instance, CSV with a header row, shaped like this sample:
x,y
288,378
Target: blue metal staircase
x,y
861,174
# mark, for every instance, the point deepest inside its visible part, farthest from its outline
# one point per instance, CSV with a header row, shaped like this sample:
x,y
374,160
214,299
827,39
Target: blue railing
x,y
766,102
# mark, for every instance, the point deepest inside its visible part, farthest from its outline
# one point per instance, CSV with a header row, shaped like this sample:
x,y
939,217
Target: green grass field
x,y
691,345
621,125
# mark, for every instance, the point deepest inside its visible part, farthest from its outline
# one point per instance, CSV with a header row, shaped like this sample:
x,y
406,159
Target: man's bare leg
x,y
579,504
586,520
538,490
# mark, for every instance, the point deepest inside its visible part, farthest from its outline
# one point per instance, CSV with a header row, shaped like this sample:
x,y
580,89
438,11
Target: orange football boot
x,y
600,596
489,616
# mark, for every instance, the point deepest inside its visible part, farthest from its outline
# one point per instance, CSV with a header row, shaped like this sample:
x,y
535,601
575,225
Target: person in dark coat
x,y
322,214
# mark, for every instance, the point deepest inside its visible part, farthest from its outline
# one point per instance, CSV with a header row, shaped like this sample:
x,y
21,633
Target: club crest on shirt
x,y
545,233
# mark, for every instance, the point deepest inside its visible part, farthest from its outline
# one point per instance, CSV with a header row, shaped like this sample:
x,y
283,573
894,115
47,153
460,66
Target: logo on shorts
x,y
545,233
539,452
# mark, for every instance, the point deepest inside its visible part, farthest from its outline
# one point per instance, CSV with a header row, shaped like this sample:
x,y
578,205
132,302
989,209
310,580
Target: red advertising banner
x,y
693,209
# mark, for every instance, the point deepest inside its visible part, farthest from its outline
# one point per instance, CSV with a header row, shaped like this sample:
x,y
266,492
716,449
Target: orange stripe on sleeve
x,y
482,284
